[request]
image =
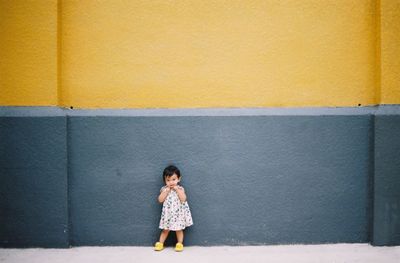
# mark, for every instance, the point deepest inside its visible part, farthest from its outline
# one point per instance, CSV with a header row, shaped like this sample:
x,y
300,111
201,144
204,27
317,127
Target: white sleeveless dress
x,y
175,215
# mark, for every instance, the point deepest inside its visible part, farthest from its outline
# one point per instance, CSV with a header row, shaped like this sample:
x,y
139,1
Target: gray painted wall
x,y
33,182
387,180
251,179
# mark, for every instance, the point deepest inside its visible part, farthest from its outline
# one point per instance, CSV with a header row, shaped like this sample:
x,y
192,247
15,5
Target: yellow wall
x,y
174,54
390,52
28,52
218,53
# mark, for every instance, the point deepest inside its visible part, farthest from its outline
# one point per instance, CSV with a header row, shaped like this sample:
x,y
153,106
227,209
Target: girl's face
x,y
172,180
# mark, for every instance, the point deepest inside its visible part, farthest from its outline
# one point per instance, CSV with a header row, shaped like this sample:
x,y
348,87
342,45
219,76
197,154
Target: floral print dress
x,y
175,215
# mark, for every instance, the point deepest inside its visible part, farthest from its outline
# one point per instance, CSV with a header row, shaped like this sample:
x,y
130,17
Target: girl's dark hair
x,y
170,171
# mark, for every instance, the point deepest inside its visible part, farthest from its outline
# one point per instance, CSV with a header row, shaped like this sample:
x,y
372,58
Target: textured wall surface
x,y
278,176
152,54
254,175
249,180
390,51
28,52
174,54
33,182
387,180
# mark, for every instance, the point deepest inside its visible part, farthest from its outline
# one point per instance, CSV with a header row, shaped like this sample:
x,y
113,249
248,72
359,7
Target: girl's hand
x,y
176,187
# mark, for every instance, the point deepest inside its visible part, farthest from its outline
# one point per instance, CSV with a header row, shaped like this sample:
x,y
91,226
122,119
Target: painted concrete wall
x,y
322,176
249,180
387,180
71,179
390,51
169,54
33,182
28,52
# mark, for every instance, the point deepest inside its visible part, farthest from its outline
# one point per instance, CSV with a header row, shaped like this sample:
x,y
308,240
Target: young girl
x,y
175,213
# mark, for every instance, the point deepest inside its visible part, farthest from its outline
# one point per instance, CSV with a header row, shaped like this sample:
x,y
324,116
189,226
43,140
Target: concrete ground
x,y
283,253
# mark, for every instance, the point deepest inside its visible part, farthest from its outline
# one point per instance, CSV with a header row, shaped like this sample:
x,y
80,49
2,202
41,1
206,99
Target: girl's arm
x,y
181,193
164,193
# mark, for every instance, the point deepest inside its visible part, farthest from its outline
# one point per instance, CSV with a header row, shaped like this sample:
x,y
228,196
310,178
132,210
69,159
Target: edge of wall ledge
x,y
49,111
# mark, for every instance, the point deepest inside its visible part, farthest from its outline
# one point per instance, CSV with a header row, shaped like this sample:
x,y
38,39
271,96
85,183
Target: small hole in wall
x,y
359,104
71,108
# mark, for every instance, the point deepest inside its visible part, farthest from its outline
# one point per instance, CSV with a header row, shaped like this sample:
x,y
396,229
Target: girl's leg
x,y
164,235
179,236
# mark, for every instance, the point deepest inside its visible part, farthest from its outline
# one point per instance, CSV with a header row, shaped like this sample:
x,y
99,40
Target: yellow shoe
x,y
179,247
158,246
